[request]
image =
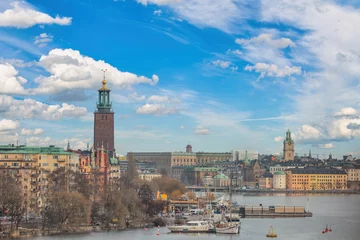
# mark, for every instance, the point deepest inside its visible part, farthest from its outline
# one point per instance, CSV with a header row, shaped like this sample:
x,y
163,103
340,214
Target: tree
x,y
190,195
176,194
168,185
210,196
67,208
11,199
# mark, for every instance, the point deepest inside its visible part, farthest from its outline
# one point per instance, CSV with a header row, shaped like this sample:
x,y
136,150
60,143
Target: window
x,y
56,165
45,164
55,157
6,156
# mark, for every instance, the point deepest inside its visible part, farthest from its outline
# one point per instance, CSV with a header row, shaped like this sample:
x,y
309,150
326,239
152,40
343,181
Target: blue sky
x,y
220,75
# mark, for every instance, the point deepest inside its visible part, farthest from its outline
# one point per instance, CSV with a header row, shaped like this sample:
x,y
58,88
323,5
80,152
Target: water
x,y
342,212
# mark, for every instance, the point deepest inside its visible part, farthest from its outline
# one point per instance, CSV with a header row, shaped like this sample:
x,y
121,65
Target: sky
x,y
219,75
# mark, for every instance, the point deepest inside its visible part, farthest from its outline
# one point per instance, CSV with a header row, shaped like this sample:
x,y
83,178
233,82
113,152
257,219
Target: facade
x,y
194,175
177,172
285,165
166,160
221,180
104,122
183,158
266,181
316,178
288,150
208,180
149,176
279,180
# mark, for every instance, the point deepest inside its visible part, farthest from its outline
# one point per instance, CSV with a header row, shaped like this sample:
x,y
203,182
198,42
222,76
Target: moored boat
x,y
228,228
193,227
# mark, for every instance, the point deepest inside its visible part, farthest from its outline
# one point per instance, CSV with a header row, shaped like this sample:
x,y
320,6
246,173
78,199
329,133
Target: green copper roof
x,y
288,138
221,176
279,173
33,150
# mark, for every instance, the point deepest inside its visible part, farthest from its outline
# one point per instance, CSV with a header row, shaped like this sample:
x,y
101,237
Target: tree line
x,y
73,198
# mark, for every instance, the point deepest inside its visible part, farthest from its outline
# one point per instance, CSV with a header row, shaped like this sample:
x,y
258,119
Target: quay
x,y
226,189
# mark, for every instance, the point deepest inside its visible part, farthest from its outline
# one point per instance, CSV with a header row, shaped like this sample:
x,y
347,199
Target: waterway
x,y
342,212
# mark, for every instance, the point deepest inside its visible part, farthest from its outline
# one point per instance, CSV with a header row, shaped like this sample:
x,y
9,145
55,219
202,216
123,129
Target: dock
x,y
273,212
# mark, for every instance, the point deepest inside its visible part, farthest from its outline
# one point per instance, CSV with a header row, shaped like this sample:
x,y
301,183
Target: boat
x,y
193,227
227,225
227,228
271,233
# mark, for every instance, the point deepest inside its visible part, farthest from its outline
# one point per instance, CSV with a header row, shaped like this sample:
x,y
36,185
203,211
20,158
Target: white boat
x,y
193,227
228,228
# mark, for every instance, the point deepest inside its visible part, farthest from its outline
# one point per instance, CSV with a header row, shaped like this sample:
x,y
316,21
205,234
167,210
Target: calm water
x,y
342,212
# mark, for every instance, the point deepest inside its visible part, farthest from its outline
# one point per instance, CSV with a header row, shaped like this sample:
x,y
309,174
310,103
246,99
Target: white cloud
x,y
157,12
71,70
236,52
220,63
22,15
272,70
43,39
349,111
339,128
29,108
158,99
8,124
278,139
156,109
205,13
325,146
267,40
201,131
265,48
36,131
182,127
330,43
10,82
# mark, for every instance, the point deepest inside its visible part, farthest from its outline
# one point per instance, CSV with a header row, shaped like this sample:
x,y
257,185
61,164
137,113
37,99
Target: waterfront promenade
x,y
226,189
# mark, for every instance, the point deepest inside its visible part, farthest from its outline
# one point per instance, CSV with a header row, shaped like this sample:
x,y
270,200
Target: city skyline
x,y
180,75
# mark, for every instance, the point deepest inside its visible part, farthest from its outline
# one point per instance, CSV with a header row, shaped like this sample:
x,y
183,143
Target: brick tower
x,y
288,150
104,121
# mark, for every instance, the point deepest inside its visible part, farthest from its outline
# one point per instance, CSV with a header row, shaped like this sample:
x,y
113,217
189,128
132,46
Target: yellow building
x,y
314,178
183,159
266,181
30,166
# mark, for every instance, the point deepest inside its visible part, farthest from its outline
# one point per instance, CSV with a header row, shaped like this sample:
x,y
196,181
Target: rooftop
x,y
22,149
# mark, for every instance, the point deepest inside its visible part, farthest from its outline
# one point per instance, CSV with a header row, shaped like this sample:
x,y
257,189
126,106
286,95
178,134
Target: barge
x,y
273,212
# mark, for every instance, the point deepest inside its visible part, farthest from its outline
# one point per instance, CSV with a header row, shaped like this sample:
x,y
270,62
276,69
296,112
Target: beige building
x,y
279,180
266,181
183,159
289,148
221,180
149,176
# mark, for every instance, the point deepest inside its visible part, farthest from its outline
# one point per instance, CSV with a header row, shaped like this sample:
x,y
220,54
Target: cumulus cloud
x,y
70,70
222,15
43,39
30,108
272,70
201,131
22,15
156,109
267,40
8,125
131,97
158,99
343,127
278,139
349,111
36,131
325,146
220,63
10,82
